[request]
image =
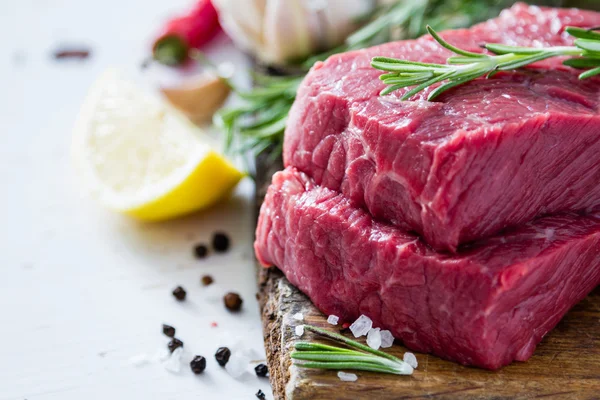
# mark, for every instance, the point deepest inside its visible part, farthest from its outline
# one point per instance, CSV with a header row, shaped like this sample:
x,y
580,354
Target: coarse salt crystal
x,y
173,364
411,360
243,345
374,338
333,319
299,330
237,366
387,339
161,355
139,360
361,326
298,316
346,377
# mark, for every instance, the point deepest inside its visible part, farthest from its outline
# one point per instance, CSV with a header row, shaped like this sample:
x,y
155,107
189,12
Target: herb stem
x,y
346,357
317,355
353,365
349,342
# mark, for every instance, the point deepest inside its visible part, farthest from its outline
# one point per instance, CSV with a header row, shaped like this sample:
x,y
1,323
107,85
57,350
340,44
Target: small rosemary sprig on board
x,y
467,66
321,356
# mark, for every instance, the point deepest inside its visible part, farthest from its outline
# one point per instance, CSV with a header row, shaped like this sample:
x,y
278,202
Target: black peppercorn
x,y
200,251
222,356
179,293
260,395
261,370
168,330
233,301
174,344
220,242
198,364
207,280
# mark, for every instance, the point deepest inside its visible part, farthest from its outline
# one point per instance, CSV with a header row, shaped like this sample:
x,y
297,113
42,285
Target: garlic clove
x,y
244,22
200,97
286,32
340,18
280,31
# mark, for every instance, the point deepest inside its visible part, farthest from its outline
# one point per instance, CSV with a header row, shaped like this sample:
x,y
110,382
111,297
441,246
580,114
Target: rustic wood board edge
x,y
566,364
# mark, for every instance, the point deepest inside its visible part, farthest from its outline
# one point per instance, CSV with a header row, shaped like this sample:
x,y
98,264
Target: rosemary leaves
x,y
363,358
467,66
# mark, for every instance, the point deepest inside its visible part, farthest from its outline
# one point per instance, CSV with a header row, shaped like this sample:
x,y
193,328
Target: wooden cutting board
x,y
566,365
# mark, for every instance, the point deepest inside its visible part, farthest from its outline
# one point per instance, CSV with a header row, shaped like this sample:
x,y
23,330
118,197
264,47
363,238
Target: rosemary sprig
x,y
260,121
317,355
467,66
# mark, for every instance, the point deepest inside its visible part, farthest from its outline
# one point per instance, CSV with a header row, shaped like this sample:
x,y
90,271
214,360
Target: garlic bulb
x,y
280,31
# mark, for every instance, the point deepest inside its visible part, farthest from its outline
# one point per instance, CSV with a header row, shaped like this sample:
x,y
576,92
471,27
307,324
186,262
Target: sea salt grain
x,y
411,360
298,316
173,364
374,338
346,377
161,354
237,366
387,339
253,353
299,330
361,326
333,319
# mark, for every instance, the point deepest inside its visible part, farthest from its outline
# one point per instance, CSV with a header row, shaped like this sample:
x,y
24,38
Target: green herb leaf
x,y
590,73
453,49
582,62
581,33
588,44
500,49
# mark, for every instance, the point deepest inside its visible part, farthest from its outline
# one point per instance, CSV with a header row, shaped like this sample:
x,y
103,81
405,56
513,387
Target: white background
x,y
83,290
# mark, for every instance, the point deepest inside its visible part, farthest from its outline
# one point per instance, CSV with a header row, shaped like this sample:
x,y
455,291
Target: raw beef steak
x,y
488,305
489,154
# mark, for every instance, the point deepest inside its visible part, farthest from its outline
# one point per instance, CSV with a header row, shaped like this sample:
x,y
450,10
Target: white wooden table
x,y
83,290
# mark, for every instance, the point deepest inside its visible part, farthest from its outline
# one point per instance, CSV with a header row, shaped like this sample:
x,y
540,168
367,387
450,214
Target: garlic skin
x,y
281,31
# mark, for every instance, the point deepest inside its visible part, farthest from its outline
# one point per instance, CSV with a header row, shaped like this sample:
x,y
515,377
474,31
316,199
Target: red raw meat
x,y
488,305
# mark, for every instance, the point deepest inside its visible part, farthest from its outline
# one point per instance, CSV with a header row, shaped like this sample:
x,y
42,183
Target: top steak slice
x,y
489,154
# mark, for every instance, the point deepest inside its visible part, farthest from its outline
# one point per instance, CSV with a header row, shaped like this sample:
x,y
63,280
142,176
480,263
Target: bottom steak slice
x,y
488,305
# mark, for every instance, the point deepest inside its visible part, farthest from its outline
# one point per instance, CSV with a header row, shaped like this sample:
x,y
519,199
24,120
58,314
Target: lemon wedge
x,y
140,157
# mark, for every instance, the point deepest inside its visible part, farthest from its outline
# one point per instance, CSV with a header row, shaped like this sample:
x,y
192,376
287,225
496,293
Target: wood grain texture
x,y
566,365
